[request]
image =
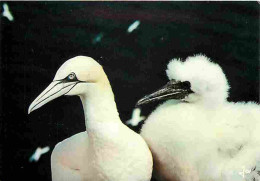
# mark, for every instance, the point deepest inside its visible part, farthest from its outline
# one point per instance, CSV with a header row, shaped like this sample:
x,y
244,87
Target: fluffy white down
x,y
194,142
207,78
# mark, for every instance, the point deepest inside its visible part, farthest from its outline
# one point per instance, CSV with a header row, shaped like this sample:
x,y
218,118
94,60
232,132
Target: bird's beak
x,y
172,90
54,90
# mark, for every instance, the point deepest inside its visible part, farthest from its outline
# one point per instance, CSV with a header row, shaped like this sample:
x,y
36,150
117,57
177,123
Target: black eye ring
x,y
186,84
71,76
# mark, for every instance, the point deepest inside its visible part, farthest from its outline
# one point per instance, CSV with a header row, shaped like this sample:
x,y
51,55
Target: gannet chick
x,y
108,150
197,135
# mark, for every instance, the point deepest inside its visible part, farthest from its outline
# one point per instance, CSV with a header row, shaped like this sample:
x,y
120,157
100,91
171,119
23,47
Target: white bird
x,y
7,13
38,153
136,117
107,150
197,135
133,26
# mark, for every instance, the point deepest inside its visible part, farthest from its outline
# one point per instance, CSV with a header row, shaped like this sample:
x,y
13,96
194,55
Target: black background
x,y
45,34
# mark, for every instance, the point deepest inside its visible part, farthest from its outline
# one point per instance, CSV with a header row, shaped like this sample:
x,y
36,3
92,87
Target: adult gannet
x,y
197,135
108,150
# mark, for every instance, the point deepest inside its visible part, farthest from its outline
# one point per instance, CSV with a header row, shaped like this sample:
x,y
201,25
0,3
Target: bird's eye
x,y
71,76
186,84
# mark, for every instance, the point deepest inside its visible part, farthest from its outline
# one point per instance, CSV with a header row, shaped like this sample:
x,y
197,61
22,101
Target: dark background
x,y
45,34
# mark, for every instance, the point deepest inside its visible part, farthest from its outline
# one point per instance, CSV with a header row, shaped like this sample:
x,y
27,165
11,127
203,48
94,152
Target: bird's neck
x,y
99,107
102,121
209,101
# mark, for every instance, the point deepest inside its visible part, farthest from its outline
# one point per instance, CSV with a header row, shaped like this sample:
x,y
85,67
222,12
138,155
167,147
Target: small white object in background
x,y
97,38
38,152
136,117
7,13
133,26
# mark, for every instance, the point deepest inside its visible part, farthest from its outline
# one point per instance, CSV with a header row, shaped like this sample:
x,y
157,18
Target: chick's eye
x,y
71,76
186,84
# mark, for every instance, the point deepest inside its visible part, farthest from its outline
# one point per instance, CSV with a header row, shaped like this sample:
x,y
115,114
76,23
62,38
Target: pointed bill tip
x,y
30,109
141,102
137,105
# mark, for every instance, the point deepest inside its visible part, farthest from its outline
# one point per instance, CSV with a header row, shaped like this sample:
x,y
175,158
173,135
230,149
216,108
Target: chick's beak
x,y
172,90
54,90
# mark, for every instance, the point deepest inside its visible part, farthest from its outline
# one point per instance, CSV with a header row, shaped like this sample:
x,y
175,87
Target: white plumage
x,y
201,136
108,150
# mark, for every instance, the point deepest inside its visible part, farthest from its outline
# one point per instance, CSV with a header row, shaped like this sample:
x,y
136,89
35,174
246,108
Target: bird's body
x,y
193,142
107,150
199,139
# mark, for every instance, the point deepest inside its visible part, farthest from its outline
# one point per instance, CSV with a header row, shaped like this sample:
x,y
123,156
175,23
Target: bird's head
x,y
197,79
77,76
